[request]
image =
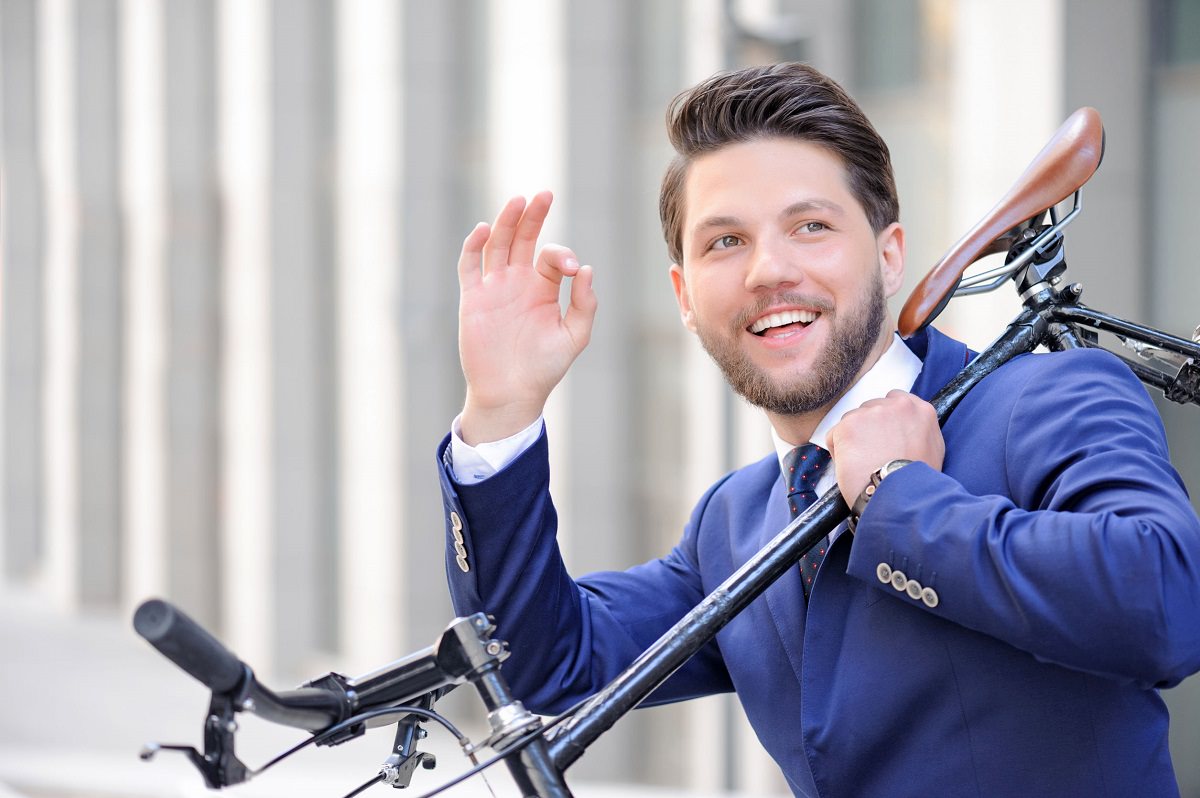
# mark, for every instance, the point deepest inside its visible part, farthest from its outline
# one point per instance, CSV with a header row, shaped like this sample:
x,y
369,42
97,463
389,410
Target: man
x,y
1016,589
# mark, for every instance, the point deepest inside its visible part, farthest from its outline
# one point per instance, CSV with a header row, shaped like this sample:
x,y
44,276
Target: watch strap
x,y
876,479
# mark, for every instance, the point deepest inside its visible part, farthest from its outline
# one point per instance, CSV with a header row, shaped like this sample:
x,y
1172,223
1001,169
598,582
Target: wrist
x,y
876,479
481,424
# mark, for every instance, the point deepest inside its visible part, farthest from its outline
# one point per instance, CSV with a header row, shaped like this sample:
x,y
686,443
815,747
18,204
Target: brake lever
x,y
397,770
219,765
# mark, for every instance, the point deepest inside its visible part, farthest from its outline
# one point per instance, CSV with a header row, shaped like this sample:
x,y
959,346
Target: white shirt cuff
x,y
471,464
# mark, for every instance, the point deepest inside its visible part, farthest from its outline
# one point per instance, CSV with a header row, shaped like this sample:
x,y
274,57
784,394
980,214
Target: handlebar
x,y
336,708
188,645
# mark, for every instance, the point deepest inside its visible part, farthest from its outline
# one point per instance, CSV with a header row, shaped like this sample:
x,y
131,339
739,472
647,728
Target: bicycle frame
x,y
1052,316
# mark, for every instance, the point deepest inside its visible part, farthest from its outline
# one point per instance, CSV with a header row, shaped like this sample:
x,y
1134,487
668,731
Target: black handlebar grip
x,y
188,645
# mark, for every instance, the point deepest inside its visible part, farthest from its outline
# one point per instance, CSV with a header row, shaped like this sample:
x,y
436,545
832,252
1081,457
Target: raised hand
x,y
514,340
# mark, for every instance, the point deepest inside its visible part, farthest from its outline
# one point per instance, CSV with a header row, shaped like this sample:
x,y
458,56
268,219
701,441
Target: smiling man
x,y
789,340
1019,583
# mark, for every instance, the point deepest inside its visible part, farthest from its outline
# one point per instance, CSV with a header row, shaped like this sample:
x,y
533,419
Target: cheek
x,y
858,271
828,263
714,301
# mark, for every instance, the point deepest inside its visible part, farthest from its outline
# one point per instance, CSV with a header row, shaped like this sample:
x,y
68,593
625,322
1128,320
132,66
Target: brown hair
x,y
787,100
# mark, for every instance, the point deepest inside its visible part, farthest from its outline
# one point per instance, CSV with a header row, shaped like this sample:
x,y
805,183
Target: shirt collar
x,y
896,369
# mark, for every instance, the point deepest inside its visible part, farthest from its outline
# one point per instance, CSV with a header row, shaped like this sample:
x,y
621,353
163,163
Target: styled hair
x,y
788,100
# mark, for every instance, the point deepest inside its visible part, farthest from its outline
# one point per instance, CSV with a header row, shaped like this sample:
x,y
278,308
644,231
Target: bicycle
x,y
1026,224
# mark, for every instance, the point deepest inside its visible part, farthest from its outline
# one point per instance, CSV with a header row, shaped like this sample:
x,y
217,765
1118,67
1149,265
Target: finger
x,y
469,260
555,262
495,251
529,228
831,439
840,465
581,312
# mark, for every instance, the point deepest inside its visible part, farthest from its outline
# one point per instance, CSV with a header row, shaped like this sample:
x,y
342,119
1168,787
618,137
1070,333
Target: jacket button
x,y
899,580
462,563
883,572
930,597
913,589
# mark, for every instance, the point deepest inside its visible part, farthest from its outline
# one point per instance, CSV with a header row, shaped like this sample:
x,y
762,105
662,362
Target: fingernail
x,y
572,264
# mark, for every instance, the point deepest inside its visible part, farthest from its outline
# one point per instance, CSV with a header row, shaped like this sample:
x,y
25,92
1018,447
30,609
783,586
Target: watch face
x,y
893,466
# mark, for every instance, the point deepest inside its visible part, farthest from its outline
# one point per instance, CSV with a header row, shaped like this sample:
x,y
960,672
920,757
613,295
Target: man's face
x,y
783,279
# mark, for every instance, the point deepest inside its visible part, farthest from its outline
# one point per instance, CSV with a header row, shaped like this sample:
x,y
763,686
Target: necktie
x,y
802,468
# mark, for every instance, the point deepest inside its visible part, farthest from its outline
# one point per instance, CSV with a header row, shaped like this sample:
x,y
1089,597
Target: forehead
x,y
764,175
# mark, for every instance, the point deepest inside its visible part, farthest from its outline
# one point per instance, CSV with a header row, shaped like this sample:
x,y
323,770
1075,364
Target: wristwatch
x,y
877,477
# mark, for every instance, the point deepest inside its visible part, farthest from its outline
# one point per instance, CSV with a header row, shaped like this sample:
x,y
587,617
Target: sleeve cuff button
x,y
883,572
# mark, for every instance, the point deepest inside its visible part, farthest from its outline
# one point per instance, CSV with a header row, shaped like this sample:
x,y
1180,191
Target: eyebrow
x,y
804,206
795,209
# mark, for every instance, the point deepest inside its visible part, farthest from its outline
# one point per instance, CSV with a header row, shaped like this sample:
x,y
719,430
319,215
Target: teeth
x,y
780,319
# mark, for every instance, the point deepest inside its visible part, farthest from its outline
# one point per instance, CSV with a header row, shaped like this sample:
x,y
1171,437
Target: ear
x,y
890,244
681,296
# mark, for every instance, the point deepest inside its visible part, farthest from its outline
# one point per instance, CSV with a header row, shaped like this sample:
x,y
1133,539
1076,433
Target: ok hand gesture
x,y
514,341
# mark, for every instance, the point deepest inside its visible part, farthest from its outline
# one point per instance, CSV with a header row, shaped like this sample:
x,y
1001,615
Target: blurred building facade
x,y
229,229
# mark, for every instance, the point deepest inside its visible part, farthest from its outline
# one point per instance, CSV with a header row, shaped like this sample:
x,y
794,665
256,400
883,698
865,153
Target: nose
x,y
771,266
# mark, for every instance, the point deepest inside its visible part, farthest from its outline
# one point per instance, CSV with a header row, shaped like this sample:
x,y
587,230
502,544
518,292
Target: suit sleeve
x,y
1083,548
567,638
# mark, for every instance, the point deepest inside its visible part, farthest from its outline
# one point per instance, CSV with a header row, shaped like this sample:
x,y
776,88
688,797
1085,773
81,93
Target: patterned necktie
x,y
802,468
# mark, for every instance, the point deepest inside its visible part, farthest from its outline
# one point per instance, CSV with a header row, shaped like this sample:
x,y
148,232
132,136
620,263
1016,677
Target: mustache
x,y
774,300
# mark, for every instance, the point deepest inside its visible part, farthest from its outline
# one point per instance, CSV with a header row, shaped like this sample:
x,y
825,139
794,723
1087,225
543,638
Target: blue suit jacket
x,y
1059,541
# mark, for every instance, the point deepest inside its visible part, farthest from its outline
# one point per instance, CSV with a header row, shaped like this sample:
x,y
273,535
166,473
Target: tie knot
x,y
802,468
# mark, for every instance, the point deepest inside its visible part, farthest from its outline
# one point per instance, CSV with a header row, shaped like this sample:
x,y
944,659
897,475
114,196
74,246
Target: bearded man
x,y
1017,588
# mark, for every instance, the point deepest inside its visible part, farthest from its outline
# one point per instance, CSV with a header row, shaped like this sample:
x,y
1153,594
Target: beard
x,y
852,335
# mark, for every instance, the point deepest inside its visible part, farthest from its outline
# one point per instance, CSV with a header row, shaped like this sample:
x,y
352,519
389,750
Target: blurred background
x,y
228,303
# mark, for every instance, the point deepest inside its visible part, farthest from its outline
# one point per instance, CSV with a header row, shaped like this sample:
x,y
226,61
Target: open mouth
x,y
783,322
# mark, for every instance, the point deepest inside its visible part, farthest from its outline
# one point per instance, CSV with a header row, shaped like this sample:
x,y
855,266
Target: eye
x,y
812,227
726,242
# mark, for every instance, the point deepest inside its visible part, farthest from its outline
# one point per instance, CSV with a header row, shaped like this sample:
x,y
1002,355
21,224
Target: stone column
x,y
303,330
22,341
